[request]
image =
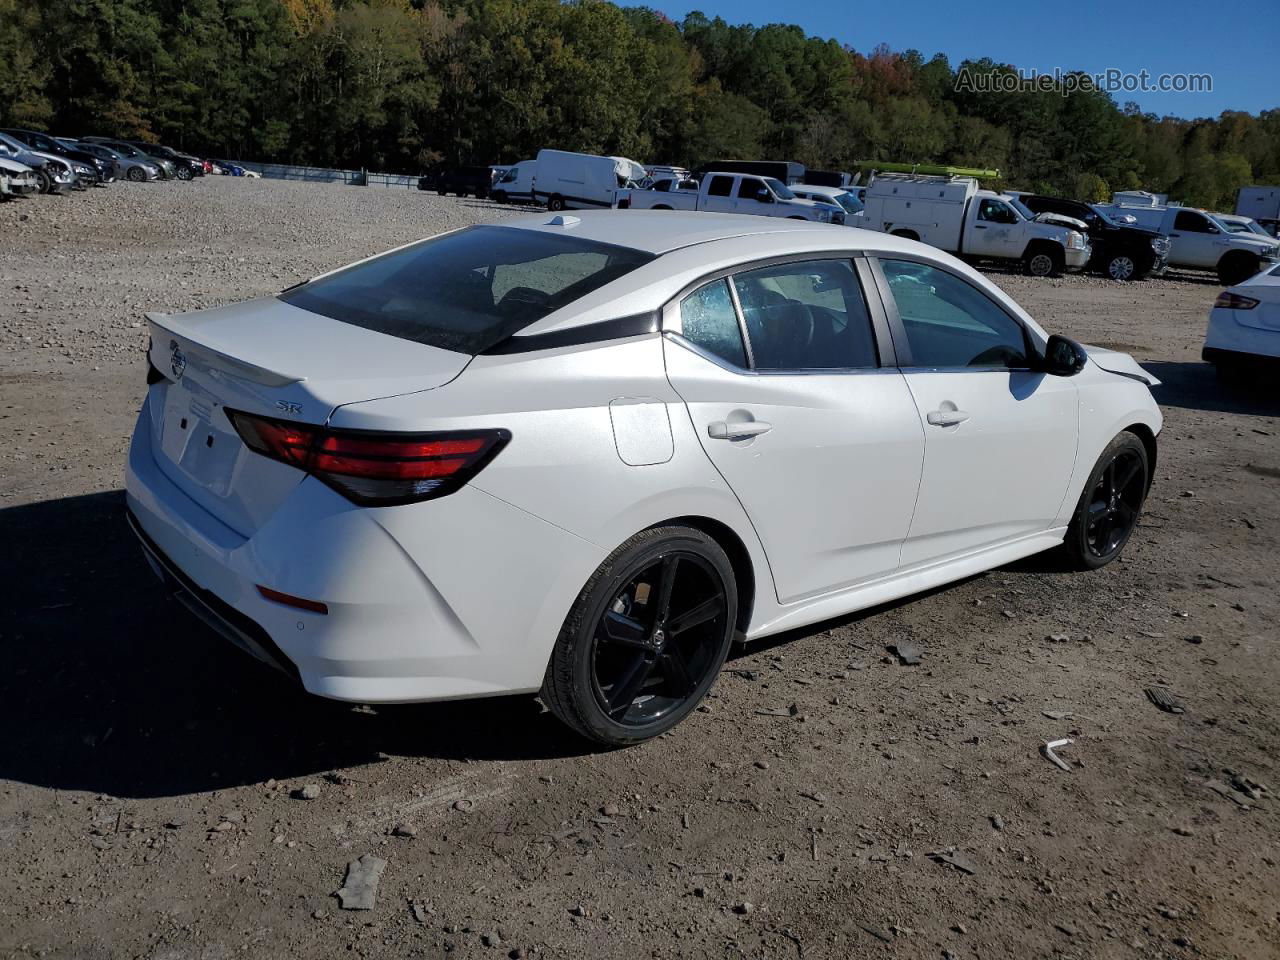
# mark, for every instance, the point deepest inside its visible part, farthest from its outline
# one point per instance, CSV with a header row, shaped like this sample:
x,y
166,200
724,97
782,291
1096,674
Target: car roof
x,y
663,231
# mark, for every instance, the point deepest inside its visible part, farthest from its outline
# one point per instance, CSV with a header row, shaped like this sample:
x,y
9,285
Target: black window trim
x,y
880,328
902,346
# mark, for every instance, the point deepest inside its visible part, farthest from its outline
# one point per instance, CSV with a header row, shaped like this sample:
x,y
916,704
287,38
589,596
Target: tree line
x,y
406,85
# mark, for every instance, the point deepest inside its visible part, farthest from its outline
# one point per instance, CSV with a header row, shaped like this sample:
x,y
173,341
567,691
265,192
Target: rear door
x,y
718,196
1000,438
805,417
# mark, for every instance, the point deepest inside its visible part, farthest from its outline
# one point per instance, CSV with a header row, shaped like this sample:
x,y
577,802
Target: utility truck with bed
x,y
730,193
951,213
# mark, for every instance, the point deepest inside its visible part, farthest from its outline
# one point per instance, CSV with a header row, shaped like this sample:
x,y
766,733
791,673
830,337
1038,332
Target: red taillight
x,y
1234,301
289,600
374,469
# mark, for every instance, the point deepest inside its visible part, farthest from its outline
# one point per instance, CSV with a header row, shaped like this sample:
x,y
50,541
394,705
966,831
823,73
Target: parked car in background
x,y
1239,224
474,180
55,173
734,193
516,185
953,214
565,180
583,455
100,171
786,171
1261,204
1244,325
1197,239
186,166
1120,251
167,169
16,179
229,168
128,168
837,197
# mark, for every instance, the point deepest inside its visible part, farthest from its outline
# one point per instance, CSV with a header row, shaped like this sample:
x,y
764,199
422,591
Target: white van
x,y
580,181
516,185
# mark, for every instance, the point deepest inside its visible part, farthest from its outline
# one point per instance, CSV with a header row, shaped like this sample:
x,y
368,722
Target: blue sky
x,y
1237,43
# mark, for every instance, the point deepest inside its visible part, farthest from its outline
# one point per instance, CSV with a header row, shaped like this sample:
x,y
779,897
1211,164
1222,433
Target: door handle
x,y
737,429
946,418
979,226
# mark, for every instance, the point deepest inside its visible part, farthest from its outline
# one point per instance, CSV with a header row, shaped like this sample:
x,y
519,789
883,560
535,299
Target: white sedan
x,y
581,455
1244,325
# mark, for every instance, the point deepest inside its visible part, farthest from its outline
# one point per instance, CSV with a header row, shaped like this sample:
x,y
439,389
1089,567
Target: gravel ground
x,y
161,796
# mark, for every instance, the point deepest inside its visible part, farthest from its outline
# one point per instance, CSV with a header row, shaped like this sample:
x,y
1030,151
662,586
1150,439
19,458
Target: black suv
x,y
459,180
105,170
1120,251
187,165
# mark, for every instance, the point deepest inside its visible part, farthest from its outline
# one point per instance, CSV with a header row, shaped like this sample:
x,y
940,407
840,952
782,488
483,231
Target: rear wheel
x,y
1110,505
555,203
906,234
646,638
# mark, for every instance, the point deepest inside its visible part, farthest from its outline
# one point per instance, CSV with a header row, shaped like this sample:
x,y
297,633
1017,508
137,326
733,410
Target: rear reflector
x,y
374,468
314,606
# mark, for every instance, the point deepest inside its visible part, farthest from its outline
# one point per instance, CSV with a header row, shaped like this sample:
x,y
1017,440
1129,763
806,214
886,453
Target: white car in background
x,y
582,455
837,198
1244,325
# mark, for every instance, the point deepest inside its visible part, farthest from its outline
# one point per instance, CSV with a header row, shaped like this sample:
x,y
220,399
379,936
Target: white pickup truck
x,y
729,193
953,214
1199,240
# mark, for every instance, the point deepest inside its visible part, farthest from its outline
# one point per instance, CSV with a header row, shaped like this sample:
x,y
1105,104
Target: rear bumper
x,y
457,597
1229,340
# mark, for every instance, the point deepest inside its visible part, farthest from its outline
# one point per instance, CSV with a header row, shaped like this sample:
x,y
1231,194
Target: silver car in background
x,y
56,174
138,169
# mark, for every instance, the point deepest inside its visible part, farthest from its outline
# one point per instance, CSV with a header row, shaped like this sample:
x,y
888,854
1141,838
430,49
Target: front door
x,y
995,231
1194,241
1000,438
820,444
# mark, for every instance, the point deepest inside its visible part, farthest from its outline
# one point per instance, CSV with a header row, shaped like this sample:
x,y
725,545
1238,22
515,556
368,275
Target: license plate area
x,y
198,439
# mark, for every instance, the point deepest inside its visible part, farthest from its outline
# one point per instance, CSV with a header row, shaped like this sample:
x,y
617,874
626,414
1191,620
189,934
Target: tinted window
x,y
708,319
1191,222
467,291
720,187
949,322
749,189
995,212
806,316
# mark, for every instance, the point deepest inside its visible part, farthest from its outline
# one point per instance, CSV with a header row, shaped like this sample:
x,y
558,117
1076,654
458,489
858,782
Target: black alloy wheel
x,y
1110,505
646,638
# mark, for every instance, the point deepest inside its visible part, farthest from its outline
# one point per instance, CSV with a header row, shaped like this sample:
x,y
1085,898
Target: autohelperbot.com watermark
x,y
1067,82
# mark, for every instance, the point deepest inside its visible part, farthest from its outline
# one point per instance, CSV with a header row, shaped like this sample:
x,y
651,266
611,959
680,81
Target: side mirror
x,y
764,196
1063,357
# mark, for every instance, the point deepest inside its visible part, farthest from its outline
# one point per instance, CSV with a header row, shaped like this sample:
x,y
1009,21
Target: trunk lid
x,y
269,358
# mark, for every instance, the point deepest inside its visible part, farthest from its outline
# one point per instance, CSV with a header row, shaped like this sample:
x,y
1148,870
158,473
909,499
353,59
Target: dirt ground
x,y
151,779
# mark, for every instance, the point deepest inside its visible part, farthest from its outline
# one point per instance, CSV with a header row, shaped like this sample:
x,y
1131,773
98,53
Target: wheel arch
x,y
1148,438
744,571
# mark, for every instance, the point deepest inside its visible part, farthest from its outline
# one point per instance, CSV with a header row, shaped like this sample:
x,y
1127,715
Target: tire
x,y
622,673
137,174
184,173
46,181
1042,262
661,206
1121,266
555,203
498,196
907,234
1237,267
1110,504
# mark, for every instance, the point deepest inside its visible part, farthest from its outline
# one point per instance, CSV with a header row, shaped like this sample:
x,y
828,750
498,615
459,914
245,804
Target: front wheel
x,y
184,173
646,637
136,174
1110,505
1121,266
1042,263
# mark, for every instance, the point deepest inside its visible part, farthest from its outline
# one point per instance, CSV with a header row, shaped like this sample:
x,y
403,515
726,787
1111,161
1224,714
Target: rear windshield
x,y
467,291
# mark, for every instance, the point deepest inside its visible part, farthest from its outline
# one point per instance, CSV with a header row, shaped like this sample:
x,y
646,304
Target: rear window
x,y
467,291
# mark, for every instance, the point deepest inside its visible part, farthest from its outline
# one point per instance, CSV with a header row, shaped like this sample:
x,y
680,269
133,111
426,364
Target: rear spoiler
x,y
180,326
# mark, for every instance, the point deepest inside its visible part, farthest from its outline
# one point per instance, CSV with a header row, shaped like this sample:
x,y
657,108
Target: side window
x,y
806,316
994,211
1191,222
708,319
949,322
749,188
720,187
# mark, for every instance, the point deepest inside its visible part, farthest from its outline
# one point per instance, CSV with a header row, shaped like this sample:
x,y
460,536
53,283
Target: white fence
x,y
359,178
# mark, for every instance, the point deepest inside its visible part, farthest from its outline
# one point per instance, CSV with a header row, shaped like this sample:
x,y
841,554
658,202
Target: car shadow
x,y
111,687
1196,386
